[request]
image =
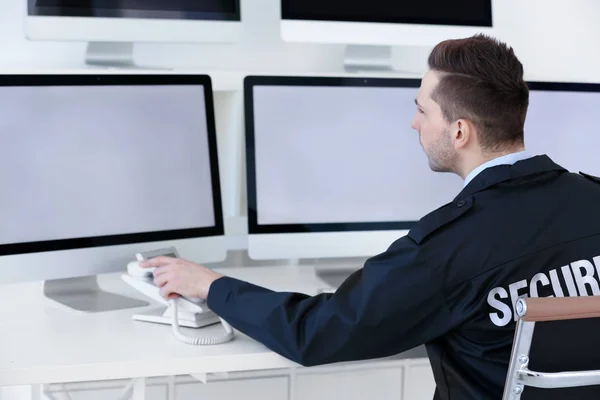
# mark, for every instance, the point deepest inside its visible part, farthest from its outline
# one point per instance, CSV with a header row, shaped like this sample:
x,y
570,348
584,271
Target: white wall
x,y
261,48
555,39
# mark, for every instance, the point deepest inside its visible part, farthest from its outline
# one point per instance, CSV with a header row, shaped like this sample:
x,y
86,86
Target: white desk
x,y
41,342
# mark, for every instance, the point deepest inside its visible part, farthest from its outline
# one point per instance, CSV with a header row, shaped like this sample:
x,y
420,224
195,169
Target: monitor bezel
x,y
252,81
72,12
287,15
140,237
552,86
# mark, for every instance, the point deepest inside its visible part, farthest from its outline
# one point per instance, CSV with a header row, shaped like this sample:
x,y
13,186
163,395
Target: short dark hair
x,y
482,81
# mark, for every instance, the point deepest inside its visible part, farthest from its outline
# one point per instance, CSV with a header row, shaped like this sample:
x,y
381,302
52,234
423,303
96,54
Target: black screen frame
x,y
251,196
289,15
89,11
552,86
217,229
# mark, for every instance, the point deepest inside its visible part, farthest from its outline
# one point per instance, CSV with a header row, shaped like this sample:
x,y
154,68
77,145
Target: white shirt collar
x,y
506,159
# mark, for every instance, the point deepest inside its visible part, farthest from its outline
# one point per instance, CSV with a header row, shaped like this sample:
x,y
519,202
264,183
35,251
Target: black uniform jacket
x,y
528,229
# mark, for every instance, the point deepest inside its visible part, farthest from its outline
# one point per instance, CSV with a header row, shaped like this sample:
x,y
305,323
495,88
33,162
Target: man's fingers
x,y
160,271
167,290
160,280
159,261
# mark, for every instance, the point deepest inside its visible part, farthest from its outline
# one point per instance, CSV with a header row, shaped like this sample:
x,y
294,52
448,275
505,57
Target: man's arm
x,y
393,304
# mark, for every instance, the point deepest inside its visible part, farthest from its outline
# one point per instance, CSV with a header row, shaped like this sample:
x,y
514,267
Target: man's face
x,y
435,135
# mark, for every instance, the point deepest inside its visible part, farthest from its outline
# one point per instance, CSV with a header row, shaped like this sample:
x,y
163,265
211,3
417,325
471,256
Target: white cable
x,y
199,341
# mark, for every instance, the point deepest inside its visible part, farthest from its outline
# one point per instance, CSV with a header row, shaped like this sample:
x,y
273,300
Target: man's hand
x,y
175,276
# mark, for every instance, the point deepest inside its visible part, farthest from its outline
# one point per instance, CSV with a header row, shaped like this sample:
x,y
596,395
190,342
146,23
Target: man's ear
x,y
463,133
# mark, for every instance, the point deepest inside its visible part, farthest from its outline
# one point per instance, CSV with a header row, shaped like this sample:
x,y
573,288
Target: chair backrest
x,y
556,349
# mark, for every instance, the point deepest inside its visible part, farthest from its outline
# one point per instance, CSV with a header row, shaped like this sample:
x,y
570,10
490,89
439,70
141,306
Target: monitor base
x,y
83,294
374,59
366,58
118,55
186,319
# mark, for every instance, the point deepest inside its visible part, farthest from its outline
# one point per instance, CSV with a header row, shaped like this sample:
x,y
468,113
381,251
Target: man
x,y
521,226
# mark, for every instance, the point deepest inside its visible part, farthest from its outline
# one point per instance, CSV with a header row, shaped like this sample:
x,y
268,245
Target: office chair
x,y
556,349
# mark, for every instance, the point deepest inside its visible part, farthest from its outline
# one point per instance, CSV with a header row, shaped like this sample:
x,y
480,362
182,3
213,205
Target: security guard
x,y
521,226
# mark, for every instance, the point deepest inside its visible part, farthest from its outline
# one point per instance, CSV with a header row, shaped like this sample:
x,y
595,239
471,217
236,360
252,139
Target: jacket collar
x,y
501,173
506,159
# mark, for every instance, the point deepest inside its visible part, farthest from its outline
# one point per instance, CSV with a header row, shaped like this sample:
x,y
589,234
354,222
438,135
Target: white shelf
x,y
234,80
223,81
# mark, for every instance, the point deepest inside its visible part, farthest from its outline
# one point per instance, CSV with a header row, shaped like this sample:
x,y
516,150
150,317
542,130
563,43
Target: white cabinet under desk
x,y
390,379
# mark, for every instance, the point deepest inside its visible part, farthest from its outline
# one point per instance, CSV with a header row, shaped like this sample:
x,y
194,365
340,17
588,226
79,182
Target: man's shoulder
x,y
440,218
459,208
590,177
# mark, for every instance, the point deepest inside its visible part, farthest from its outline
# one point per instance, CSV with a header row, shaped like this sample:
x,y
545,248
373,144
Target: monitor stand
x,y
367,58
84,294
117,55
378,59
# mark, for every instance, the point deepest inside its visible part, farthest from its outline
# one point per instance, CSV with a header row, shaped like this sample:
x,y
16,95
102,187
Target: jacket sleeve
x,y
394,303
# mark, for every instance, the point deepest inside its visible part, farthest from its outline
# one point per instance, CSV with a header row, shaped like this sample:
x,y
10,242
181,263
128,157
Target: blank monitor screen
x,y
90,161
431,12
562,122
338,154
221,10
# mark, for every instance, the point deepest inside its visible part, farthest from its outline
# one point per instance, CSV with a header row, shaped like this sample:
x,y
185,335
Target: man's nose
x,y
413,123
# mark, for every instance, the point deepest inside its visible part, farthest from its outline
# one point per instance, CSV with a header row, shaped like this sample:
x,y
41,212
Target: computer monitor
x,y
333,167
561,122
112,26
97,168
370,28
